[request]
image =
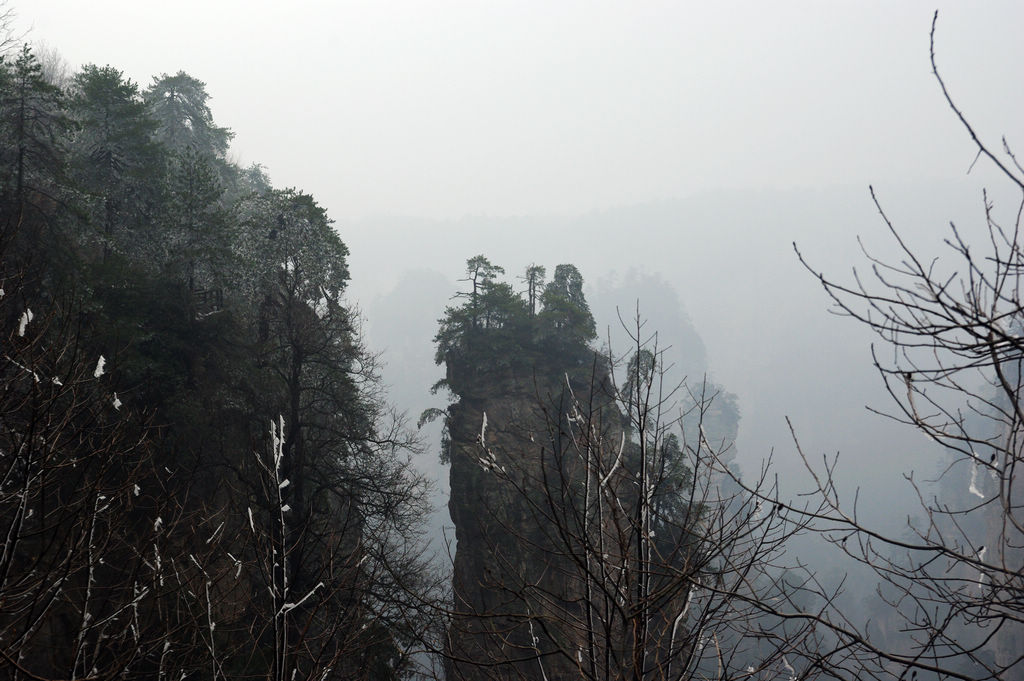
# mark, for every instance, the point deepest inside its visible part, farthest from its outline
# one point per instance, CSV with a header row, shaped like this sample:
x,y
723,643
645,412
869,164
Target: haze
x,y
690,141
445,109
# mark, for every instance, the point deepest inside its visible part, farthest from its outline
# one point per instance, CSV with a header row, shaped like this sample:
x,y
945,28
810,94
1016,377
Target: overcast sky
x,y
743,126
443,109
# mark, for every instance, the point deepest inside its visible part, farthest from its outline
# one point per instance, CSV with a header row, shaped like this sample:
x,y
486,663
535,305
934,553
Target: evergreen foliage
x,y
162,307
499,329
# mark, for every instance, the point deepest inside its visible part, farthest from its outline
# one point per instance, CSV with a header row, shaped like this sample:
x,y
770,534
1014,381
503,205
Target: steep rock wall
x,y
516,585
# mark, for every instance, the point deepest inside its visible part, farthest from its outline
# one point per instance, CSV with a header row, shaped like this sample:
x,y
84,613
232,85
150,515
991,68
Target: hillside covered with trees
x,y
200,474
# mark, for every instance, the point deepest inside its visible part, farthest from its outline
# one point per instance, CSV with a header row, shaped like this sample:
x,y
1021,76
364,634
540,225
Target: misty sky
x,y
694,140
445,109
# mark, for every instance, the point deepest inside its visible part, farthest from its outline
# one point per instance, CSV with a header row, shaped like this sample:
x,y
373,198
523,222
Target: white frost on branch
x,y
158,524
156,560
490,463
758,511
277,441
98,371
291,606
238,565
973,487
116,402
215,532
540,658
26,317
618,462
789,668
35,376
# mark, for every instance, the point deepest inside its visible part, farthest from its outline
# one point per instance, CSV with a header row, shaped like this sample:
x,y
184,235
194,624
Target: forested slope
x,y
198,470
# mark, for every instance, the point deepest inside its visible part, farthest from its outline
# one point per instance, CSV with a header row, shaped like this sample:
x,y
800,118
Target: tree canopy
x,y
498,328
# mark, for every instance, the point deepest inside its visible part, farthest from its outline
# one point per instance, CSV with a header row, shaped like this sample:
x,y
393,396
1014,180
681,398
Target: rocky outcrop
x,y
516,583
563,568
574,526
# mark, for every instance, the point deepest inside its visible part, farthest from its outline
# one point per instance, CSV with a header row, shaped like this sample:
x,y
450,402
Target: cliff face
x,y
569,495
517,591
564,568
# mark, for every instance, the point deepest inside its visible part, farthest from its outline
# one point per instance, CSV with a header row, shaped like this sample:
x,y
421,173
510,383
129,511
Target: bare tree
x,y
9,35
358,604
55,68
952,344
104,573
